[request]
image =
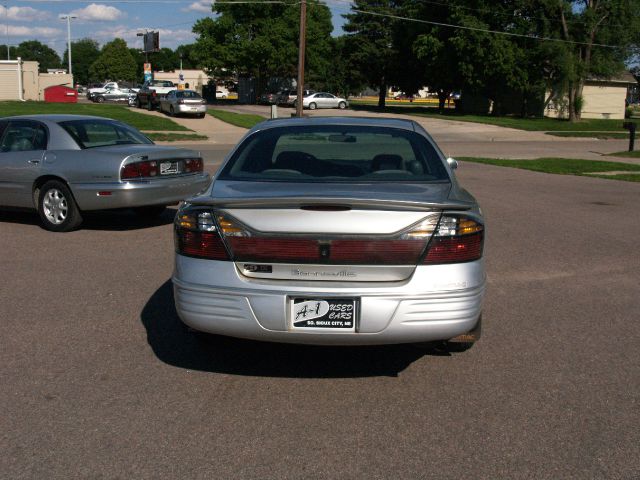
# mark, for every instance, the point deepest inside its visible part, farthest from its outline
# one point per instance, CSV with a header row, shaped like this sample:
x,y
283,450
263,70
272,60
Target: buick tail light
x,y
193,165
457,239
145,169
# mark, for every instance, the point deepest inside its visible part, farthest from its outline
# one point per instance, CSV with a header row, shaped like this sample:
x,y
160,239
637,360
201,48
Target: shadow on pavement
x,y
108,220
175,345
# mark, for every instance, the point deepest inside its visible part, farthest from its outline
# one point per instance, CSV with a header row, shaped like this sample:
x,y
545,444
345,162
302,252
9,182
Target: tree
x,y
83,53
342,76
165,60
371,42
189,56
261,40
589,29
114,63
33,50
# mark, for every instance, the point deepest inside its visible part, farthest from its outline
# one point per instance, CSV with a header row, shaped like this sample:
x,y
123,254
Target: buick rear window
x,y
103,133
335,153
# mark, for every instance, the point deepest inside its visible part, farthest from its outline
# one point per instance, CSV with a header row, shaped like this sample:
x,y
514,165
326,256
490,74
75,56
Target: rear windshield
x,y
187,94
102,133
335,153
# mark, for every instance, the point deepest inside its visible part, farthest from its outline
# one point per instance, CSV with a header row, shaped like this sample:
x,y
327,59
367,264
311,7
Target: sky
x,y
22,20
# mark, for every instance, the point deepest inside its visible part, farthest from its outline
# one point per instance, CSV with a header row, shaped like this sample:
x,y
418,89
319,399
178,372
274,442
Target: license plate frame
x,y
169,168
331,315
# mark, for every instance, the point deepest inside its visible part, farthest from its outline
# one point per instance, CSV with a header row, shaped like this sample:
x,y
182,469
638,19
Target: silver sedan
x,y
324,100
184,102
338,231
64,165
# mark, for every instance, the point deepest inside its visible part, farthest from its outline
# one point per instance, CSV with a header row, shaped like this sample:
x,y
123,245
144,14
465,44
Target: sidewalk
x,y
217,131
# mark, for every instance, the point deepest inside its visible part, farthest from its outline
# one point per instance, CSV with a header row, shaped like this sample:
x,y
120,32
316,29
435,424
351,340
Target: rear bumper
x,y
437,303
161,191
192,109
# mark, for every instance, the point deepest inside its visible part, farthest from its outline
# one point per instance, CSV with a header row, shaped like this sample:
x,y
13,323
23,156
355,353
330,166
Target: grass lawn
x,y
530,124
601,135
174,137
634,154
238,119
567,166
116,112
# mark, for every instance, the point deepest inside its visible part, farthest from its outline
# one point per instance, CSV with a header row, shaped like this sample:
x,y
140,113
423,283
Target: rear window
x,y
187,94
335,153
102,133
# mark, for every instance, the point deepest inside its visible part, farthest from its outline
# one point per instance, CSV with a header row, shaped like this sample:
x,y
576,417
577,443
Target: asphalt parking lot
x,y
99,379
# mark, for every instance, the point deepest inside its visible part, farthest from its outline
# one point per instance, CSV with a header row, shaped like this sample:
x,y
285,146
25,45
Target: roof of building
x,y
624,77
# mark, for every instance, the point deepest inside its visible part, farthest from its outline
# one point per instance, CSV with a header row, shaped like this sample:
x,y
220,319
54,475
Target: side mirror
x,y
453,163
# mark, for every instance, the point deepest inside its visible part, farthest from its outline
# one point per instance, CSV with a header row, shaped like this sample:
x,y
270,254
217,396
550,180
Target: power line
x,y
485,30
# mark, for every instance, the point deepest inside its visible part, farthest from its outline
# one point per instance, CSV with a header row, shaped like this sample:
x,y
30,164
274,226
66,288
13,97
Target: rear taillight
x,y
404,249
196,234
192,165
144,169
458,239
203,233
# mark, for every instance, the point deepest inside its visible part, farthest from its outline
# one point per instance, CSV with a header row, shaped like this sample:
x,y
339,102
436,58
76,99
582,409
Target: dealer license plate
x,y
337,314
168,168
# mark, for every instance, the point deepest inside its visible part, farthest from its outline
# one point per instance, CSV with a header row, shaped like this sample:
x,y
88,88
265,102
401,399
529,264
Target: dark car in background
x,y
269,98
115,95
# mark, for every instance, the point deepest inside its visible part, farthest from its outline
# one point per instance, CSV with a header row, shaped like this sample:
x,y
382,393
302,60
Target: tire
x,y
342,105
202,115
312,106
100,99
57,208
151,211
172,113
138,103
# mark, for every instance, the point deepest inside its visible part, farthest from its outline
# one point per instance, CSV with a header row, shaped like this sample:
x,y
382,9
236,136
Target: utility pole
x,y
68,18
301,47
6,11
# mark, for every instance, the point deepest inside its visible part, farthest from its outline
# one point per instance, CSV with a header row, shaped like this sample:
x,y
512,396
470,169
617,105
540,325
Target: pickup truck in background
x,y
95,91
152,92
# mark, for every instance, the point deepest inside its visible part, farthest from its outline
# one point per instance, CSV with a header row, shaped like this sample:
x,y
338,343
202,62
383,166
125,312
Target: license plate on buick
x,y
168,168
337,314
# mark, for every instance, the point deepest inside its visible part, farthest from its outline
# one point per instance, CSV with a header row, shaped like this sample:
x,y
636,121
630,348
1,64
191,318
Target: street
x,y
100,379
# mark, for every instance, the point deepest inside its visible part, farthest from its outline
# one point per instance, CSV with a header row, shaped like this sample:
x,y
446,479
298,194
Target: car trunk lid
x,y
369,232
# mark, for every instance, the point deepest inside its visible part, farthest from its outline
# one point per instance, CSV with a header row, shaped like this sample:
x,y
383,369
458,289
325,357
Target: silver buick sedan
x,y
334,231
64,165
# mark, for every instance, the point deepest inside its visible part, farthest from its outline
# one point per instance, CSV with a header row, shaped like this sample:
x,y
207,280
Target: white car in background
x,y
324,100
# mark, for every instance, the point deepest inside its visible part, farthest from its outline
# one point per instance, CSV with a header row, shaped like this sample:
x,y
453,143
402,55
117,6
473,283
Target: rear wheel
x,y
57,208
312,106
151,211
342,105
201,115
